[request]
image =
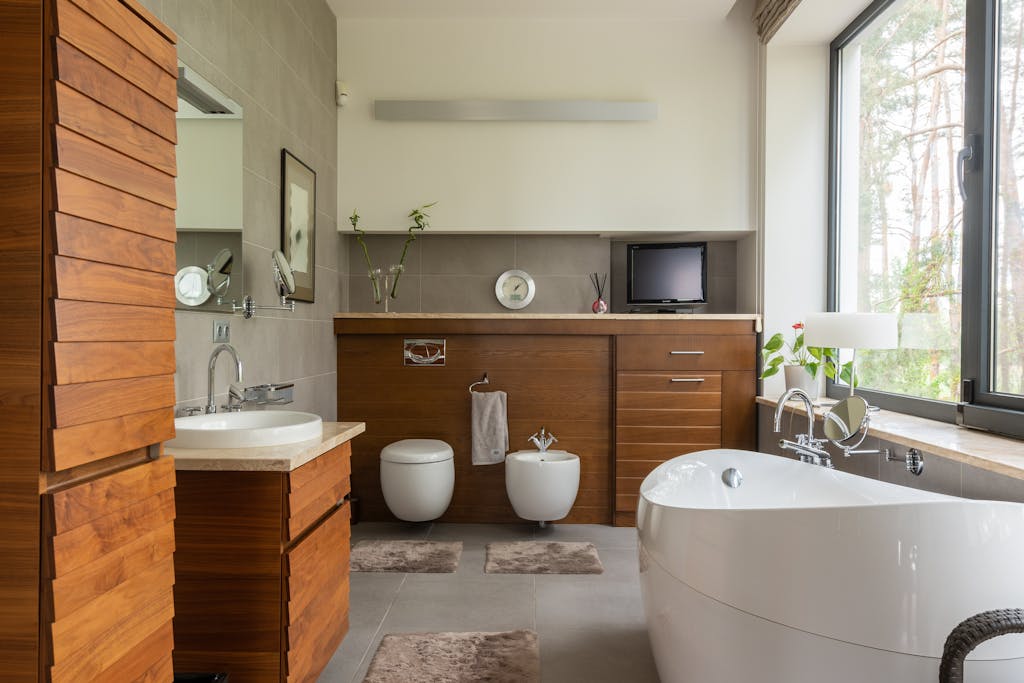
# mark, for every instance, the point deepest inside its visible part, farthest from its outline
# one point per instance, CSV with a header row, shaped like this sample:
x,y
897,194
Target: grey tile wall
x,y
456,273
940,474
278,59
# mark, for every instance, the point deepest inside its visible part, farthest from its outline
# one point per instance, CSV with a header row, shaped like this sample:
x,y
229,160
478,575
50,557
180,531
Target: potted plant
x,y
802,364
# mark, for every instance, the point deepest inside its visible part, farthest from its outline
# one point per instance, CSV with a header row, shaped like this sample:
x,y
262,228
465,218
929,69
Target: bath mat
x,y
508,657
420,557
542,557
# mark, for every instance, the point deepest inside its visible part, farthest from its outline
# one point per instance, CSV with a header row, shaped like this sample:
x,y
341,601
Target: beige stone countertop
x,y
283,458
999,454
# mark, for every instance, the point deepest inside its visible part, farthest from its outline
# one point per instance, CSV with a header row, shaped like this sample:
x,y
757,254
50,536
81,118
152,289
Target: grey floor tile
x,y
360,643
609,654
482,534
603,537
439,602
391,531
568,601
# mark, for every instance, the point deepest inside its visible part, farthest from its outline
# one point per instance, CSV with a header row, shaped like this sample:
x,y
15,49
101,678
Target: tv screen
x,y
673,273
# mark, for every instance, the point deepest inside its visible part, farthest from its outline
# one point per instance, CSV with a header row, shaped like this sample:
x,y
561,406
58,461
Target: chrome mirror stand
x,y
285,287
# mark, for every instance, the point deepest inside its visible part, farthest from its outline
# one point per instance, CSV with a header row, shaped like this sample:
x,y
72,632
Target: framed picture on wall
x,y
298,223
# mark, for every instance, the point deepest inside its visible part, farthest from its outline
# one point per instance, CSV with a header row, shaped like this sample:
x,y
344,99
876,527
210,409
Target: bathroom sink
x,y
245,429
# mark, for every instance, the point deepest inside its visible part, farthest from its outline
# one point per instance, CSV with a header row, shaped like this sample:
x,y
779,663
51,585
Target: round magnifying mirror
x,y
846,423
285,276
218,279
190,286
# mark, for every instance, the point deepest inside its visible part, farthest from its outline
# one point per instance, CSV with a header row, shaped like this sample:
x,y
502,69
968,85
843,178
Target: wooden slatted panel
x,y
677,418
334,463
94,201
627,434
137,665
75,404
77,588
83,321
90,281
88,362
80,155
97,41
659,452
81,504
79,238
80,444
89,77
88,117
318,597
86,627
84,544
133,30
661,382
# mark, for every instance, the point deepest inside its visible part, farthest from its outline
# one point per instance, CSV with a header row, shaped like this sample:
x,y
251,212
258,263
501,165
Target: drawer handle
x,y
686,353
687,379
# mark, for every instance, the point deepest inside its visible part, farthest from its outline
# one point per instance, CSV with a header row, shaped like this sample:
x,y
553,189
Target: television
x,y
666,274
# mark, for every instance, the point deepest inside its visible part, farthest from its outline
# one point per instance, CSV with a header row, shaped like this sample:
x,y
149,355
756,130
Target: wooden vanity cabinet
x,y
262,567
677,394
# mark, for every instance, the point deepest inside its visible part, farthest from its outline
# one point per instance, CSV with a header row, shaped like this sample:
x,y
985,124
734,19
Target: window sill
x,y
990,452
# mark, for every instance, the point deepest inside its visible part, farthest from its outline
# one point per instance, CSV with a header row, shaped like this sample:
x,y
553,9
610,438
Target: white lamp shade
x,y
851,330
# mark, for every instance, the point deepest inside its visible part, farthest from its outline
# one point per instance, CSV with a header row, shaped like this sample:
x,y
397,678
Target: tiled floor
x,y
591,628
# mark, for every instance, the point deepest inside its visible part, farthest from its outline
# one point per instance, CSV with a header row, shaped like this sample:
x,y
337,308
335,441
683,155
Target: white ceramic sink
x,y
245,429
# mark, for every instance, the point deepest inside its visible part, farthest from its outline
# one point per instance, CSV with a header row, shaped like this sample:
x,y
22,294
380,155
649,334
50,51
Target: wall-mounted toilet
x,y
417,477
542,485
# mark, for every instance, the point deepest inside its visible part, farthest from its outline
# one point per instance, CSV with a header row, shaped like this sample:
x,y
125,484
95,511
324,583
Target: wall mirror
x,y
209,188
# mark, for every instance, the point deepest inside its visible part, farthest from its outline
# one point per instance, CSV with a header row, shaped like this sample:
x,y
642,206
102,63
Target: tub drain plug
x,y
732,478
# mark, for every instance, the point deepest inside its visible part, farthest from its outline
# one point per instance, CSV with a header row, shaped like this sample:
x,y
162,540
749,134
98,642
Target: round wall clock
x,y
515,289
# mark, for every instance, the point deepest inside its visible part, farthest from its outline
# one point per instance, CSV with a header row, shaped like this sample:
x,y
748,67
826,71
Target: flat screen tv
x,y
666,274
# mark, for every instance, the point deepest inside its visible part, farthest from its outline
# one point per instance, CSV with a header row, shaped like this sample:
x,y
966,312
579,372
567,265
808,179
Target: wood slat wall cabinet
x,y
262,570
602,384
87,356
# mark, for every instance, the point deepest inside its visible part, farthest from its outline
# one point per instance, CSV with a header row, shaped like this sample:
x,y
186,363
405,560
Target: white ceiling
x,y
687,10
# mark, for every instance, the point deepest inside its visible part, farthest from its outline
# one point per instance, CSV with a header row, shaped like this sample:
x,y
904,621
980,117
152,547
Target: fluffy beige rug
x,y
509,657
542,557
421,557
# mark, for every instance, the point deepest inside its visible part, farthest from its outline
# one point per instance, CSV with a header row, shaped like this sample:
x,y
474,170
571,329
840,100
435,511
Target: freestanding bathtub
x,y
807,575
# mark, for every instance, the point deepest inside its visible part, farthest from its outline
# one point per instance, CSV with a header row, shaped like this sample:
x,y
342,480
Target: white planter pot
x,y
798,378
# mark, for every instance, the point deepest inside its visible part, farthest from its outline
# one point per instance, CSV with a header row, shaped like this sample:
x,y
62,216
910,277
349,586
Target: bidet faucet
x,y
809,449
235,396
542,440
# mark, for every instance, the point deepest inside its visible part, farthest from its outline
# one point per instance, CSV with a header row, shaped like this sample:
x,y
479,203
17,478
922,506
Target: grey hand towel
x,y
490,427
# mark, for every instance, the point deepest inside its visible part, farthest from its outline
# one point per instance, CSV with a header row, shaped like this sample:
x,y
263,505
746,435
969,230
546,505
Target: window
x,y
910,90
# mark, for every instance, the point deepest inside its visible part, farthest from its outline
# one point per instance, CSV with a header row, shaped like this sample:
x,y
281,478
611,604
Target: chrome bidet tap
x,y
542,440
810,449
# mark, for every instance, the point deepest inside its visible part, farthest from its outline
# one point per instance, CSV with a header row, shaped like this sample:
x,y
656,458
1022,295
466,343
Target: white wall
x,y
794,235
692,169
209,182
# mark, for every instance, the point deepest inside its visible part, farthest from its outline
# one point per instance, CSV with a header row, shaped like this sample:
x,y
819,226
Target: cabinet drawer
x,y
685,352
708,383
316,487
669,418
317,589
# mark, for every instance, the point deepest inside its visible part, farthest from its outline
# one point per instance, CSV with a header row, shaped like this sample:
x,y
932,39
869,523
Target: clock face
x,y
515,289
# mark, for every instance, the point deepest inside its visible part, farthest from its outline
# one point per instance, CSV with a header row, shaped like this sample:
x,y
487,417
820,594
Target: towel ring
x,y
483,381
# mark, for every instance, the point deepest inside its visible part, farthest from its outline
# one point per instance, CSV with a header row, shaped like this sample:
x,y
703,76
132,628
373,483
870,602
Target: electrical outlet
x,y
221,331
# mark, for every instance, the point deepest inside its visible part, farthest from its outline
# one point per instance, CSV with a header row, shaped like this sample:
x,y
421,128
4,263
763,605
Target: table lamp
x,y
851,331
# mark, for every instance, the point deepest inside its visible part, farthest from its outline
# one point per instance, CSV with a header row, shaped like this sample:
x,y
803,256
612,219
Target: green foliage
x,y
777,352
420,220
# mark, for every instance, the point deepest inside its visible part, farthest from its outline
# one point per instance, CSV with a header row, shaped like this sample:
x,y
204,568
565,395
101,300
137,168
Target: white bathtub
x,y
808,575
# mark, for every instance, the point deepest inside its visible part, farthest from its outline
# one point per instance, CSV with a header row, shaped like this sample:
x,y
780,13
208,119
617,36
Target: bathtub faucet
x,y
543,440
809,449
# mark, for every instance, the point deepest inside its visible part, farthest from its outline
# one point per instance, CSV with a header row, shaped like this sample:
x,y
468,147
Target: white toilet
x,y
542,485
417,477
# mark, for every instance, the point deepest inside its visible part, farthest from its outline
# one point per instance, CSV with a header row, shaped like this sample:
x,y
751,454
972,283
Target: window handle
x,y
965,155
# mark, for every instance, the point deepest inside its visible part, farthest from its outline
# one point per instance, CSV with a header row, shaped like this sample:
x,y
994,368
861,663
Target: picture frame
x,y
298,223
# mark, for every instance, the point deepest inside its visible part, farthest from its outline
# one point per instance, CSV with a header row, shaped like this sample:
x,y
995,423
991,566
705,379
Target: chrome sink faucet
x,y
542,440
235,395
809,449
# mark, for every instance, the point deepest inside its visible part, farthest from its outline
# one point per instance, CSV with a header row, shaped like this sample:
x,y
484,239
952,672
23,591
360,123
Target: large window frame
x,y
979,407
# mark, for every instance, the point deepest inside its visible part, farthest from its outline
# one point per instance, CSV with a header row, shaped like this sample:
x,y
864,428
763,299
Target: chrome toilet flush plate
x,y
423,352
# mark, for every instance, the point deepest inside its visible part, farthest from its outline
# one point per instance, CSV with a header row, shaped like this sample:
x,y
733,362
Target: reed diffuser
x,y
599,282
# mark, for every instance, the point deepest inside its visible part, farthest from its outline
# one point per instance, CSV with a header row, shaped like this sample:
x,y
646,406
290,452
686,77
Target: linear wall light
x,y
513,110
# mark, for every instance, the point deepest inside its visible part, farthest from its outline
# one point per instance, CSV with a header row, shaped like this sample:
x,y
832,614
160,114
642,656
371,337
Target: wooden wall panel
x,y
103,283
739,412
21,175
89,77
94,201
75,404
78,238
79,155
85,443
559,382
92,362
82,321
103,45
132,29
